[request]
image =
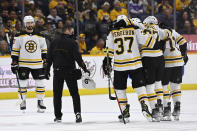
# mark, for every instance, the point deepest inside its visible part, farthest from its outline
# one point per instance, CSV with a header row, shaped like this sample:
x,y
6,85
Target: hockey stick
x,y
17,78
109,76
118,104
110,79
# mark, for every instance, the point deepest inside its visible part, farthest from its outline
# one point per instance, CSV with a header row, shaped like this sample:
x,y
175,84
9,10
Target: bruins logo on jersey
x,y
31,46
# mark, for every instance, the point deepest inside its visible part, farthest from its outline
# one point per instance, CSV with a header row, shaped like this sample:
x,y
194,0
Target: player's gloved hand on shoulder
x,y
185,58
14,67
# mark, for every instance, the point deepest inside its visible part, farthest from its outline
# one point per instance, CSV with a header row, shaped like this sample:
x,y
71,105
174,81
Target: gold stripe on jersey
x,y
15,53
16,49
171,57
30,59
21,63
174,61
176,95
125,65
150,51
23,35
148,39
125,60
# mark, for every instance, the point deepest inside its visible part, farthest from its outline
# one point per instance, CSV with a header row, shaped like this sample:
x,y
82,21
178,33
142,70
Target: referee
x,y
63,52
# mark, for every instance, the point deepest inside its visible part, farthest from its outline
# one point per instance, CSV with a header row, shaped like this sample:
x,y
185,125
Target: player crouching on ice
x,y
29,56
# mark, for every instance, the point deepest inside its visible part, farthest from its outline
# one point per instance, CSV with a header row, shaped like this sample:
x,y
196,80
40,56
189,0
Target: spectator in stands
x,y
166,17
5,15
185,16
82,44
104,12
2,34
13,17
91,41
39,25
135,8
117,10
187,28
49,31
163,6
182,4
4,49
54,17
148,6
1,22
18,28
195,20
103,27
98,49
43,5
38,15
58,30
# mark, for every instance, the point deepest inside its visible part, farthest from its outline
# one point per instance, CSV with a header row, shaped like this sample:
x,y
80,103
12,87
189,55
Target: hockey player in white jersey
x,y
122,43
153,64
175,55
29,56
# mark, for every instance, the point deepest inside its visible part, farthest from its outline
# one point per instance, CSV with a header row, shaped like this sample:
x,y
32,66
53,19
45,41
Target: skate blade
x,y
147,115
58,121
41,110
166,118
155,120
176,118
126,120
23,111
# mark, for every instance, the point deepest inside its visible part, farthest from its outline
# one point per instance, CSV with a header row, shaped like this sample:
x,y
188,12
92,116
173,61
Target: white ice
x,y
98,113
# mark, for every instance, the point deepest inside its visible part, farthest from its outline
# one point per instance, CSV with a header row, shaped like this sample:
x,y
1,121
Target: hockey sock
x,y
23,92
152,97
176,92
159,90
40,92
142,95
166,95
122,97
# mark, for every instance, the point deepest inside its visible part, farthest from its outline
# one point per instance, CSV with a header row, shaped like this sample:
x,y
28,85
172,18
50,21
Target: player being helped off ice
x,y
29,56
123,46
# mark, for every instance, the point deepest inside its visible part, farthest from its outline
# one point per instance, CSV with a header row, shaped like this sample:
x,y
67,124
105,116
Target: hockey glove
x,y
107,69
47,75
14,67
185,58
87,71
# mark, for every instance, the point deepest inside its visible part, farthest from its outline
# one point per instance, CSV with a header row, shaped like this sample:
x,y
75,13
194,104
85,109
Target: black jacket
x,y
63,52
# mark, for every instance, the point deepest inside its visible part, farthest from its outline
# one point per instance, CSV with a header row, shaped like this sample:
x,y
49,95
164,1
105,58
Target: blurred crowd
x,y
94,18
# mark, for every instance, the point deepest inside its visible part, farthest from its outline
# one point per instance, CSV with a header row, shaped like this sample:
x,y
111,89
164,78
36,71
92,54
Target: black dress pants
x,y
58,82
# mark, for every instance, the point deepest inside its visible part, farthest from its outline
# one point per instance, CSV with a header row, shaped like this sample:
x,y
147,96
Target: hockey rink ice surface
x,y
98,114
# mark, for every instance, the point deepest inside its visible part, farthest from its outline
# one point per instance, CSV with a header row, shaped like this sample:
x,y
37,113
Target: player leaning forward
x,y
29,56
122,43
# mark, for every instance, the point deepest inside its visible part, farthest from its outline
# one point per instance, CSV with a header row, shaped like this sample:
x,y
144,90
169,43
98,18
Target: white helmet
x,y
88,82
137,20
123,17
28,18
151,20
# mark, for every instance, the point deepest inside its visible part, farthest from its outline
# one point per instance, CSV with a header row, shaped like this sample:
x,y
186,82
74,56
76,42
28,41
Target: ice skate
x,y
176,112
126,114
167,113
78,118
23,106
58,120
145,111
155,114
41,107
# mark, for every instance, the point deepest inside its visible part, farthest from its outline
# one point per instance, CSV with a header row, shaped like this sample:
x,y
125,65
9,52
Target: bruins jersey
x,y
158,34
172,53
123,46
29,49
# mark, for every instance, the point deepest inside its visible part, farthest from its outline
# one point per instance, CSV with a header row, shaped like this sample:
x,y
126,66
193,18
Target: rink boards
x,y
8,83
